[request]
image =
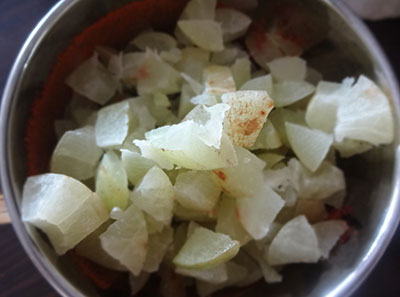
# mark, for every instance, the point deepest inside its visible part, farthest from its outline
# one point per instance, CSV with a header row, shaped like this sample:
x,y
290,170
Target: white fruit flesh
x,y
76,154
206,249
288,68
155,195
233,22
208,38
126,240
63,208
155,40
328,234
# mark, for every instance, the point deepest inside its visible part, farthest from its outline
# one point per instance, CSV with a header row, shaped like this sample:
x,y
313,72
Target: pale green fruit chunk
x,y
208,38
153,226
262,83
155,195
365,115
185,104
193,62
183,145
218,80
112,124
258,212
226,56
159,41
92,80
318,185
288,68
268,138
280,116
233,22
243,180
76,154
154,75
236,274
197,190
126,240
112,182
310,146
184,214
206,249
296,242
271,159
131,63
288,92
196,86
241,71
91,248
228,221
313,210
322,109
153,153
63,208
135,165
192,226
199,10
215,275
157,247
172,56
349,147
280,180
139,107
247,115
328,234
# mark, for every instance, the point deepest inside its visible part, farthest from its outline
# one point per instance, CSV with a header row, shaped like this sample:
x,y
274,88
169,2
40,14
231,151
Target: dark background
x,y
18,277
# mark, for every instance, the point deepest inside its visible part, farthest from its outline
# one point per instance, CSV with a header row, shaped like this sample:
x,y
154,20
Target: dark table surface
x,y
18,277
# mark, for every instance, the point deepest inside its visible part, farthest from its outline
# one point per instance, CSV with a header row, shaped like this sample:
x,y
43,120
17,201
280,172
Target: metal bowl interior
x,y
373,178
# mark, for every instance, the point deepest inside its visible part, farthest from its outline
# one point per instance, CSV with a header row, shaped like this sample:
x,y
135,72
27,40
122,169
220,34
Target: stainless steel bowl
x,y
373,178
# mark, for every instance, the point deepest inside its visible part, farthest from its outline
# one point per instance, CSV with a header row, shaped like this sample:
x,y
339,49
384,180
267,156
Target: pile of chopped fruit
x,y
180,151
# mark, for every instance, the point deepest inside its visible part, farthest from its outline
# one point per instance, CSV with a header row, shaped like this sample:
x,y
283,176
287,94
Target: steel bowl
x,y
373,178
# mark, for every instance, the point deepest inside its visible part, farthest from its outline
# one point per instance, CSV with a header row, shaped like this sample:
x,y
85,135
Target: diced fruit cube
x,y
208,38
256,213
288,92
199,10
243,180
63,208
268,138
126,240
233,22
206,249
193,62
76,154
155,195
241,71
112,124
135,165
247,115
112,182
365,115
228,221
288,68
296,242
184,214
197,190
310,146
92,80
154,75
262,83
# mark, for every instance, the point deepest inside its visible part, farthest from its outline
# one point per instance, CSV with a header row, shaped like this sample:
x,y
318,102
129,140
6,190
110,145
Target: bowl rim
x,y
343,289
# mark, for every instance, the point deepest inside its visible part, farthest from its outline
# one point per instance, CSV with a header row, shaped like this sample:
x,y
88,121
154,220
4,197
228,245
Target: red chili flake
x,y
262,113
220,174
338,214
142,73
